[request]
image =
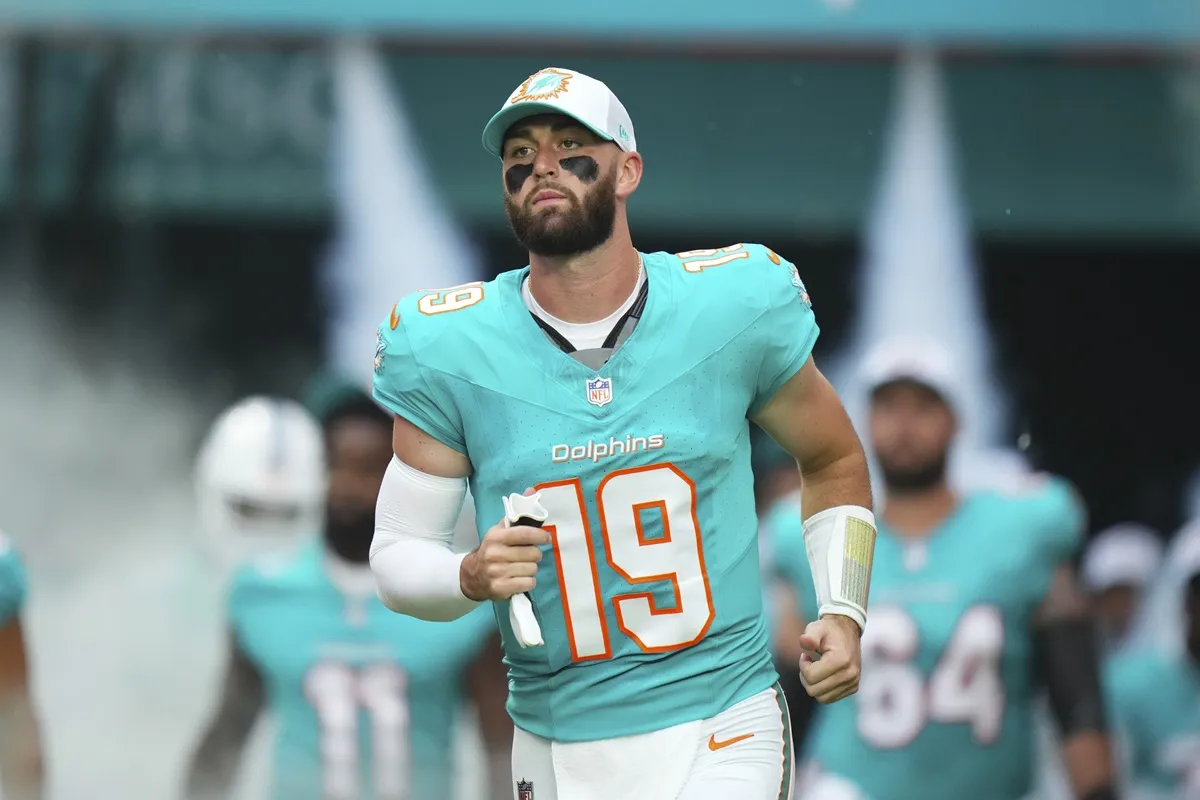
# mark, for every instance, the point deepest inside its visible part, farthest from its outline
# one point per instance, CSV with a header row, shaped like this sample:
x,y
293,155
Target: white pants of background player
x,y
745,752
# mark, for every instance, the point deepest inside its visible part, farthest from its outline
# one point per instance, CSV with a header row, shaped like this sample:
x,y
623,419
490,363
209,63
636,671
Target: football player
x,y
975,607
1117,566
366,702
617,388
1154,689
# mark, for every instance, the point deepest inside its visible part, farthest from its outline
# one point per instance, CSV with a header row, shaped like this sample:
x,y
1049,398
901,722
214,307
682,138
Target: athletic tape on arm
x,y
840,543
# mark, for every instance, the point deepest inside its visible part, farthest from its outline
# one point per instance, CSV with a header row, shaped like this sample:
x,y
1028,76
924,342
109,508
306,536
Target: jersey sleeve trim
x,y
401,408
788,372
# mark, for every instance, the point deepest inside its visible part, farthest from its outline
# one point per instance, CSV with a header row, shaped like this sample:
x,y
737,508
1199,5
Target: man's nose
x,y
545,163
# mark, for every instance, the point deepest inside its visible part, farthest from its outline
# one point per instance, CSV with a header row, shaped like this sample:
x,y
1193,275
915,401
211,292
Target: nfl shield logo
x,y
524,790
599,391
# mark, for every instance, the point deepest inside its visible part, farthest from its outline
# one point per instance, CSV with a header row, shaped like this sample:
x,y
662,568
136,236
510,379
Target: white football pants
x,y
745,752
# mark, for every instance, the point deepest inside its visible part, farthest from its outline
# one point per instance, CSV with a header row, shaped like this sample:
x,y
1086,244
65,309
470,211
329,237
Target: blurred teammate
x,y
1117,566
20,741
260,480
775,473
973,597
639,659
1154,692
365,701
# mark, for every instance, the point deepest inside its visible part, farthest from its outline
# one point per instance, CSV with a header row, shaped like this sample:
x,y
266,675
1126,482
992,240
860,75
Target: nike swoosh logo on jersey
x,y
395,320
714,745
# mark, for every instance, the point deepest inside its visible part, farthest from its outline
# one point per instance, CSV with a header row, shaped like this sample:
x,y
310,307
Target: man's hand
x,y
833,673
504,564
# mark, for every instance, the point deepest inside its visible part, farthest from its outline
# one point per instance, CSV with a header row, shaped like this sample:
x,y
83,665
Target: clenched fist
x,y
832,673
504,564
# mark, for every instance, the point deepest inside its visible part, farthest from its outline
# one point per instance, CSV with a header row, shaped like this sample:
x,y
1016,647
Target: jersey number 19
x,y
624,500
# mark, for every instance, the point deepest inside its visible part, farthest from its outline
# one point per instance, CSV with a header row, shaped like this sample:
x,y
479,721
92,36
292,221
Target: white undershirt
x,y
583,335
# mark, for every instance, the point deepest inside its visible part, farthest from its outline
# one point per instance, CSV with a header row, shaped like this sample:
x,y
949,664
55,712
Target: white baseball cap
x,y
919,361
554,90
1123,555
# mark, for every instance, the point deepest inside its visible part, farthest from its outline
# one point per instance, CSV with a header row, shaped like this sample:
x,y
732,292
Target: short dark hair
x,y
354,405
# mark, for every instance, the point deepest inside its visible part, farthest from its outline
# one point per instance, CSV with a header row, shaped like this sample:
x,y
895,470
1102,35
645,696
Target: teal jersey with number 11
x,y
365,701
649,596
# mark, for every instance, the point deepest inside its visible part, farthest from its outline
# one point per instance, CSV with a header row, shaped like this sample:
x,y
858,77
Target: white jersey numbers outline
x,y
896,702
711,258
625,499
337,692
455,298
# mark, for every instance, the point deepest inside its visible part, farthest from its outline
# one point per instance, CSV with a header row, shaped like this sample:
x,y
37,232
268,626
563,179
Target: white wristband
x,y
840,543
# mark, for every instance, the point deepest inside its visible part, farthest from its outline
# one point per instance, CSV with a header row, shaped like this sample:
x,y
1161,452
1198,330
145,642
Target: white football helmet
x,y
260,479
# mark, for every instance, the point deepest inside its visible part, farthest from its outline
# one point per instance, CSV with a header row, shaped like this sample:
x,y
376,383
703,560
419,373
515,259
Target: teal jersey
x,y
364,700
1155,701
12,582
649,597
783,532
945,707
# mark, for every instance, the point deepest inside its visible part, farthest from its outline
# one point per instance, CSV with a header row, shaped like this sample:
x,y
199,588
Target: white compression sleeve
x,y
416,569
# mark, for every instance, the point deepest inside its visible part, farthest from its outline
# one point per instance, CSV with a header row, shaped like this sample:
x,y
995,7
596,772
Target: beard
x,y
914,479
348,533
582,227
